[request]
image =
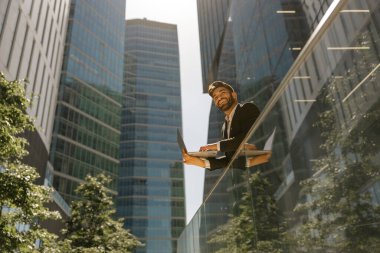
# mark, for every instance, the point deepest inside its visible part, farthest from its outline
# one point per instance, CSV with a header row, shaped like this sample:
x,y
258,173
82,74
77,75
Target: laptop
x,y
200,154
206,154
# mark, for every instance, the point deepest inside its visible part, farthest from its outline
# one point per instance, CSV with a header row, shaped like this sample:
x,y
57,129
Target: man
x,y
239,118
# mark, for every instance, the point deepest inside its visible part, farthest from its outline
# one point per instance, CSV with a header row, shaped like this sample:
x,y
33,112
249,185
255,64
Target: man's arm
x,y
192,160
218,163
257,160
247,116
209,147
210,164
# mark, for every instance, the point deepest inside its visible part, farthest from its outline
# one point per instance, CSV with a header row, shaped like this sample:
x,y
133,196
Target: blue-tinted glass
x,y
87,123
151,187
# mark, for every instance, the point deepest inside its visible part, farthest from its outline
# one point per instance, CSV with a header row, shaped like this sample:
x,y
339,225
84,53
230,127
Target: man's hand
x,y
209,147
249,146
192,160
260,159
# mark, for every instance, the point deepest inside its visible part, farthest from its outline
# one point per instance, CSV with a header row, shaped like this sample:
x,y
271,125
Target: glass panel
x,y
319,190
229,214
325,154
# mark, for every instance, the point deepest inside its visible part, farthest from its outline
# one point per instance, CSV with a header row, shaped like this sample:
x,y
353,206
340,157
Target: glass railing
x,y
320,191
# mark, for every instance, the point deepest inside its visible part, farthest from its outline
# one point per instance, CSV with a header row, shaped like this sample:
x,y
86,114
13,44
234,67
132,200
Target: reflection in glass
x,y
254,225
321,190
337,212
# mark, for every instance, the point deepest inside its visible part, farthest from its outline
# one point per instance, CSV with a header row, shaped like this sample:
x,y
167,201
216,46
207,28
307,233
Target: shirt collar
x,y
229,117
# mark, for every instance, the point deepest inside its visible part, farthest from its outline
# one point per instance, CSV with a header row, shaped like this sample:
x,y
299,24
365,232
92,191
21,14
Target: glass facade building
x,y
212,18
32,38
320,190
257,48
87,121
151,177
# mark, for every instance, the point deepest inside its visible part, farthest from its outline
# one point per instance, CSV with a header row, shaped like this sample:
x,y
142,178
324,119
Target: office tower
x,y
151,178
87,120
32,38
262,50
212,19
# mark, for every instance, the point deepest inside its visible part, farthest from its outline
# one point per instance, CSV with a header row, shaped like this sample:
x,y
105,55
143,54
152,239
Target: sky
x,y
195,104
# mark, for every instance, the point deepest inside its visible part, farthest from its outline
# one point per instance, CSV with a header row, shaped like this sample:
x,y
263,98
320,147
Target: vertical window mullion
x,y
22,52
13,38
2,26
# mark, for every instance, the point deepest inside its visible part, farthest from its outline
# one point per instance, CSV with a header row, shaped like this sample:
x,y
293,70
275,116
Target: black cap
x,y
218,84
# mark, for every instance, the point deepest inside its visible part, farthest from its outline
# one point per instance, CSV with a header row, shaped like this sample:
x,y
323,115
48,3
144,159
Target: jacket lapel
x,y
234,121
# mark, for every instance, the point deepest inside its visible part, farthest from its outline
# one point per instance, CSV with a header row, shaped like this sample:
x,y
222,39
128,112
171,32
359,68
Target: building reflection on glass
x,y
321,190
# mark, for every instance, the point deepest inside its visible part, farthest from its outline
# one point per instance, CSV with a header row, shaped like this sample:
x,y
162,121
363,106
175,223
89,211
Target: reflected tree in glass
x,y
337,213
255,226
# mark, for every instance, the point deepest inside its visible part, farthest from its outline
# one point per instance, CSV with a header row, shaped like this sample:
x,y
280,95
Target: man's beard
x,y
228,105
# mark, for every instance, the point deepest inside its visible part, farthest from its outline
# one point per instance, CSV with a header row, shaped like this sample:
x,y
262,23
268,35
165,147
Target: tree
x,y
255,227
91,227
338,214
21,200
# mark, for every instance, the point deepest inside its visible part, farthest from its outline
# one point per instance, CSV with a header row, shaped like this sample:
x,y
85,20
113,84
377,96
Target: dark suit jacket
x,y
243,119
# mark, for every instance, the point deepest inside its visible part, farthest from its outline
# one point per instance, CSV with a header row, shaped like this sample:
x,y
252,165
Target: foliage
x,y
13,120
338,215
21,200
256,228
91,227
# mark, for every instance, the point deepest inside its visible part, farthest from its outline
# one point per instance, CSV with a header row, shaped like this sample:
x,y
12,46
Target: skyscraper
x,y
212,18
151,178
32,38
87,120
261,43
